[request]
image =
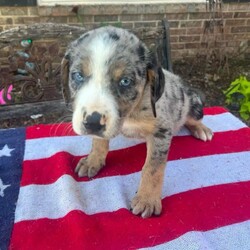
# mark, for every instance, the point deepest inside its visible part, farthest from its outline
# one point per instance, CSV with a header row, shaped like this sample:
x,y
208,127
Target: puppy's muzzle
x,y
94,123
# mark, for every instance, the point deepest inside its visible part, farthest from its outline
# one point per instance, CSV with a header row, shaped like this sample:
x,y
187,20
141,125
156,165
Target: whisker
x,y
59,122
68,129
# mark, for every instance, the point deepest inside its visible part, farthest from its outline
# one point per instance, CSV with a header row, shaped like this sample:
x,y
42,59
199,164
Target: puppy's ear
x,y
156,80
65,79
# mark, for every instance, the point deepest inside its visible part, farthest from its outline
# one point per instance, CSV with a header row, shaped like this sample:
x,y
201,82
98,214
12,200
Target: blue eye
x,y
125,82
78,77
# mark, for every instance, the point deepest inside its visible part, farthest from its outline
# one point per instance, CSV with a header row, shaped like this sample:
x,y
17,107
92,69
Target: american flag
x,y
206,193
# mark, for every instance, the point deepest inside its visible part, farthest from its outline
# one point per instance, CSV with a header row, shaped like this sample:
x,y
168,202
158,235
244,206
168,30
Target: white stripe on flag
x,y
75,145
112,193
232,237
81,145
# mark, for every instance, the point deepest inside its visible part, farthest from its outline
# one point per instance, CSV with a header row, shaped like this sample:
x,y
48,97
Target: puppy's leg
x,y
91,165
198,129
148,198
195,115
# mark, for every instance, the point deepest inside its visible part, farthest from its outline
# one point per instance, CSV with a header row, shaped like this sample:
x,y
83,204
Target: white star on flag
x,y
6,151
2,188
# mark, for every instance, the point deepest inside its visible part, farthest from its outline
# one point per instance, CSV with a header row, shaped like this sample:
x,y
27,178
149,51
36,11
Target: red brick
x,y
151,8
189,38
115,24
173,24
159,23
63,11
26,20
197,7
178,31
174,39
234,22
204,44
131,17
56,11
236,36
177,46
177,16
145,24
242,14
152,17
54,19
220,44
194,31
239,6
44,11
127,25
73,19
212,26
193,45
33,11
176,8
234,43
227,14
4,21
240,29
199,15
226,29
14,11
122,9
190,23
106,18
83,19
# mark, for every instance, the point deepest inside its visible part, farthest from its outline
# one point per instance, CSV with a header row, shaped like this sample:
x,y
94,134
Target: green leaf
x,y
245,116
245,107
238,94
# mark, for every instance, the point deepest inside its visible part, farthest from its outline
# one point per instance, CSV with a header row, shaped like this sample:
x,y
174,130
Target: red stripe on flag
x,y
130,160
214,110
197,210
50,130
223,142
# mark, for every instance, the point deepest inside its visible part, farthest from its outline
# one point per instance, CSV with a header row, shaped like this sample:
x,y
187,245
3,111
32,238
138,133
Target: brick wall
x,y
193,30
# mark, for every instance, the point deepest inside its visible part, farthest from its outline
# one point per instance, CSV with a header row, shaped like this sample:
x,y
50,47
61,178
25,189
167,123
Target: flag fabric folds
x,y
206,193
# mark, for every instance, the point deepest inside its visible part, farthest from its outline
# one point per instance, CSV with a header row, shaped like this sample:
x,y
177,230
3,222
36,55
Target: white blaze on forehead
x,y
92,96
95,92
102,49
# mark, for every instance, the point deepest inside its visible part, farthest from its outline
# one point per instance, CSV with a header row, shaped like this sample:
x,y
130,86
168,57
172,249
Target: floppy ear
x,y
156,80
65,79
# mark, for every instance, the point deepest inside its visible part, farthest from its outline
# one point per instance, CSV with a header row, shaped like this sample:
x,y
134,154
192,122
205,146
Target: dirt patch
x,y
212,76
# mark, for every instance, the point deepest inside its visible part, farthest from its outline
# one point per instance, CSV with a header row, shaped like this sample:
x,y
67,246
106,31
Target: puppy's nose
x,y
93,123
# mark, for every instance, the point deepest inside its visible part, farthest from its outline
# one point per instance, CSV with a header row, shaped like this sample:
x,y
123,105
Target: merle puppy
x,y
116,86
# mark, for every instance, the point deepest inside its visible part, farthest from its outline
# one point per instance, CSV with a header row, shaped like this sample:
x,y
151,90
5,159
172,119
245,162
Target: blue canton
x,y
12,143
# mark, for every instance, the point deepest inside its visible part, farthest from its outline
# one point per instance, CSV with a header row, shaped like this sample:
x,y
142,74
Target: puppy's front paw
x,y
89,166
202,132
146,205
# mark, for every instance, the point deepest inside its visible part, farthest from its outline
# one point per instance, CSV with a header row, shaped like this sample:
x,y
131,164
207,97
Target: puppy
x,y
116,86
